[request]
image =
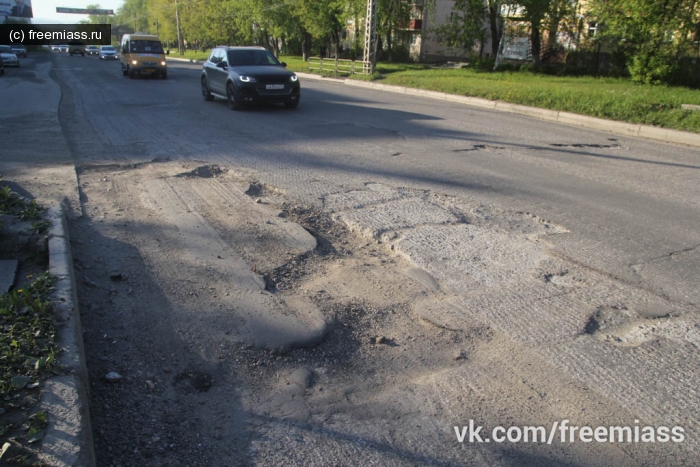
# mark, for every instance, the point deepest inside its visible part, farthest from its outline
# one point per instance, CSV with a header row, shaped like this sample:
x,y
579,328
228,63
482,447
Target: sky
x,y
45,10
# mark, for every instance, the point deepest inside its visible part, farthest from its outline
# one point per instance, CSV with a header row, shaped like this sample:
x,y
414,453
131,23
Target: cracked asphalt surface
x,y
470,265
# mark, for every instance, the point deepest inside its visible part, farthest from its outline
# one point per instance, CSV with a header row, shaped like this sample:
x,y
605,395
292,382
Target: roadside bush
x,y
483,63
400,54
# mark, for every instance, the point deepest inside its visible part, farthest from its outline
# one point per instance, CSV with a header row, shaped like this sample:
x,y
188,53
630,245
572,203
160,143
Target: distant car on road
x,y
248,75
19,50
107,52
92,50
63,48
55,48
8,56
76,48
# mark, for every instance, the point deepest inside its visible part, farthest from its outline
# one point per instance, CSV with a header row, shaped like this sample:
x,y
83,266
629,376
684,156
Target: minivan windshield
x,y
251,57
146,47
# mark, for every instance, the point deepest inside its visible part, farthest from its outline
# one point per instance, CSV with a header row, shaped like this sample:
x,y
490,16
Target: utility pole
x,y
179,31
369,57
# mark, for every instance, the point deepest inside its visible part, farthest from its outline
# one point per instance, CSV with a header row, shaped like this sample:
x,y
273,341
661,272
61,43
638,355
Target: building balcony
x,y
412,25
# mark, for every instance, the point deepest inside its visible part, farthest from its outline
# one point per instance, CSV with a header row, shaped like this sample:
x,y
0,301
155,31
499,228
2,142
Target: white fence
x,y
337,67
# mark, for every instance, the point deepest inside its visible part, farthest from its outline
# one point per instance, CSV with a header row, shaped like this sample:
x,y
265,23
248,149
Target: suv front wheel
x,y
234,100
206,93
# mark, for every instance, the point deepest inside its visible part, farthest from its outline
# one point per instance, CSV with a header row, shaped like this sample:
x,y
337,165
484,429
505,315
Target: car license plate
x,y
150,70
274,86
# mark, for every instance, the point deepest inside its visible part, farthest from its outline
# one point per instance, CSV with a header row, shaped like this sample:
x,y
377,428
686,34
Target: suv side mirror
x,y
284,64
222,65
167,52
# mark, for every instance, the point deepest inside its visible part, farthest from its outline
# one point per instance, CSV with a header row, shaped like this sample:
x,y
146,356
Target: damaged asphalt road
x,y
347,283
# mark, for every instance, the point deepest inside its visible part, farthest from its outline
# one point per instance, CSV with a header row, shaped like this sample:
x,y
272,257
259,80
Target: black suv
x,y
248,75
76,48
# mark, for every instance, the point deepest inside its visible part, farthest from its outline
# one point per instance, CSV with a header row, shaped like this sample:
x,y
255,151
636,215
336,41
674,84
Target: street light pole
x,y
370,51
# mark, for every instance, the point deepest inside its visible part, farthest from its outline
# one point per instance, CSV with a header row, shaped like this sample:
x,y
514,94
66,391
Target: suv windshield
x,y
251,57
5,49
107,47
148,47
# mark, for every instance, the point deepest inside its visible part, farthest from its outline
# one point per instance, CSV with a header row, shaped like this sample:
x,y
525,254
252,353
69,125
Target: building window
x,y
592,28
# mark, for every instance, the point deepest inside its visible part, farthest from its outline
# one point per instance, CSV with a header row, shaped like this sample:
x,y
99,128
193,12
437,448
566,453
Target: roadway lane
x,y
633,206
624,215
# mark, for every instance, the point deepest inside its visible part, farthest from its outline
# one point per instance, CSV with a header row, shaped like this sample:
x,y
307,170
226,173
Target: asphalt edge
x,y
68,440
567,118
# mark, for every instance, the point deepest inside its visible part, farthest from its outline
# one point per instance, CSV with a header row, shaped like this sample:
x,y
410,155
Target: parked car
x,y
2,68
63,48
107,52
92,50
8,56
19,50
248,75
76,48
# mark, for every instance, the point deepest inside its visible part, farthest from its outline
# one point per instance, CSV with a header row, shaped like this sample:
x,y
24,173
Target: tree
x,y
466,26
654,33
96,19
535,12
391,16
494,12
322,20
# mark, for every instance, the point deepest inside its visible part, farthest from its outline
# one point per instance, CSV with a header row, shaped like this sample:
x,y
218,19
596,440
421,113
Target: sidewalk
x,y
30,107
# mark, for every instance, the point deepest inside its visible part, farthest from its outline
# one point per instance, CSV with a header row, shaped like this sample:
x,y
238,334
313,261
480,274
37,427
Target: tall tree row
x,y
654,35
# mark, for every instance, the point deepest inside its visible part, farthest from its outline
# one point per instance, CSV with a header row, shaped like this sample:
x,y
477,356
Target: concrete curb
x,y
68,439
593,123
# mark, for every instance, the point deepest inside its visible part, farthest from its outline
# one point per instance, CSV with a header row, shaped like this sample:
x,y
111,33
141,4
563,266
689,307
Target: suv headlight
x,y
294,78
247,79
134,62
162,62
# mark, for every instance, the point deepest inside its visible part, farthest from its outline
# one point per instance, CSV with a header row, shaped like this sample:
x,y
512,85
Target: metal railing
x,y
337,67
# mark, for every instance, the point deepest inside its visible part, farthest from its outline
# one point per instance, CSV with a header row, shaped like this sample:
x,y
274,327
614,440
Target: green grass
x,y
610,98
190,54
27,335
27,340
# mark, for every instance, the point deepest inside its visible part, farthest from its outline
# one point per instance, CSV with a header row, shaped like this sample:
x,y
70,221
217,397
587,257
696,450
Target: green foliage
x,y
467,26
12,203
655,34
400,54
27,334
9,200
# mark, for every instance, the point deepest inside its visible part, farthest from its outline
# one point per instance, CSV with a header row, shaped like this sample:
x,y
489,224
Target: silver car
x,y
108,52
8,56
19,50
